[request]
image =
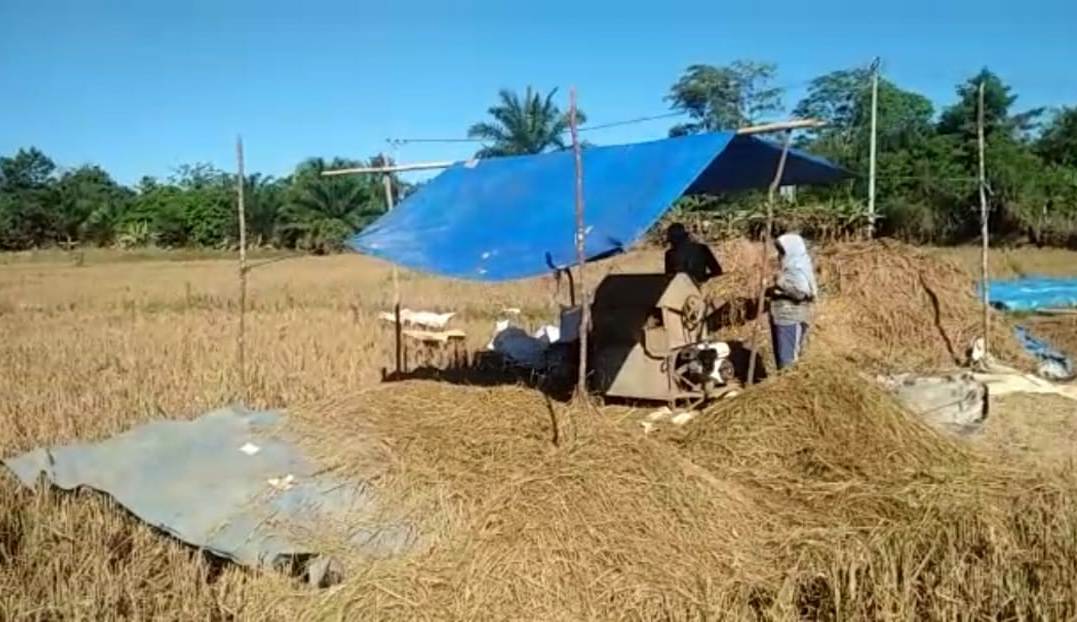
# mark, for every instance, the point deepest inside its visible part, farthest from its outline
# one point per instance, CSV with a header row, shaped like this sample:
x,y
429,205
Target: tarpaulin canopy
x,y
514,217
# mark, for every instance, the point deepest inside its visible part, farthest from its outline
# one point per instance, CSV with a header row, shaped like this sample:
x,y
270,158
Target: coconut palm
x,y
531,124
320,211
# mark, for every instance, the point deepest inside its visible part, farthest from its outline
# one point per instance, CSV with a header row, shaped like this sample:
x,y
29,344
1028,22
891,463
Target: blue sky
x,y
141,87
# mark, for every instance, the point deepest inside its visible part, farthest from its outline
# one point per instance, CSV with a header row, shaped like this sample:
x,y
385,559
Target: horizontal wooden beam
x,y
393,168
796,124
781,126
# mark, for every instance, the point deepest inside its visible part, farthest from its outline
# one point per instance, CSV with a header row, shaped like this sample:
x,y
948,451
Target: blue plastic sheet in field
x,y
1053,363
514,217
1032,293
227,482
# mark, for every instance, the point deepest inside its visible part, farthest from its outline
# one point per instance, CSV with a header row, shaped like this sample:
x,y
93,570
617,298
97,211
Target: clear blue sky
x,y
140,87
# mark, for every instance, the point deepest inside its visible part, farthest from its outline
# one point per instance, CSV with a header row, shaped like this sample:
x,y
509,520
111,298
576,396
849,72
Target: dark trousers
x,y
788,340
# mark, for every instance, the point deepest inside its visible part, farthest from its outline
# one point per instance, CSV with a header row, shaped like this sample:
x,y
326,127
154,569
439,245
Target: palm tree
x,y
532,124
321,212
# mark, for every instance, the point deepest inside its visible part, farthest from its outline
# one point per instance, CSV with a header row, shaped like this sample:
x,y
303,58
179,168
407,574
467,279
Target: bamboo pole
x,y
392,168
585,311
781,126
983,224
871,160
767,233
241,341
397,328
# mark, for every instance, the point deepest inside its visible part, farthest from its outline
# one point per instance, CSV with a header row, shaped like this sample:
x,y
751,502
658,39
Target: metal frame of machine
x,y
650,342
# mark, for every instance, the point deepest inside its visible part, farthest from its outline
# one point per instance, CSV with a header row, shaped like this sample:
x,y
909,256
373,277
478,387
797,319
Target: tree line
x,y
927,165
196,206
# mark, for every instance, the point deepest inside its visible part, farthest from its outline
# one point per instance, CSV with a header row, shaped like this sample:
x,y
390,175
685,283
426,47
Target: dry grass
x,y
90,350
521,526
774,520
1038,428
1059,331
886,306
1012,262
812,496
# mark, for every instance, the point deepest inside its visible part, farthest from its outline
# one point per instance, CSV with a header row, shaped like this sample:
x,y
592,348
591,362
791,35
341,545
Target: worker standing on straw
x,y
791,299
690,257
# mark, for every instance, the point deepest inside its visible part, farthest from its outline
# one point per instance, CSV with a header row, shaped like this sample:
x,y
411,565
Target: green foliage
x,y
961,117
531,124
322,211
840,98
27,212
831,218
264,199
90,205
843,99
1058,143
28,169
724,97
194,207
927,188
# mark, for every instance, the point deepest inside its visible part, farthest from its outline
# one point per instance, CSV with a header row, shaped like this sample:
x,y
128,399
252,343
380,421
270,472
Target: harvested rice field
x,y
810,496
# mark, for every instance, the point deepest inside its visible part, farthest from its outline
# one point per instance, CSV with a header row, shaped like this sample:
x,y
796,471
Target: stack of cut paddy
x,y
531,509
810,496
887,306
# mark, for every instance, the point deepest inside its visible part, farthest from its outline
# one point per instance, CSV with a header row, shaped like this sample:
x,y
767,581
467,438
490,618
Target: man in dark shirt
x,y
688,256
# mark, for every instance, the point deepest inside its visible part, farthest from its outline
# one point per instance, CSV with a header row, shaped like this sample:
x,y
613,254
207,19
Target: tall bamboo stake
x,y
398,329
767,233
871,157
585,311
242,338
983,222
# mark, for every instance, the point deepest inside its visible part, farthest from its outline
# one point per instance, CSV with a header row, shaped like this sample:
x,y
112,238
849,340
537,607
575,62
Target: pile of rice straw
x,y
812,495
886,306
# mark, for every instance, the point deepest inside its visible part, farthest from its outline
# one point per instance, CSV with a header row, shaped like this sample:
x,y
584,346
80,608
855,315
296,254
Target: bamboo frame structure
x,y
765,128
397,325
241,340
767,234
782,126
585,311
983,225
393,168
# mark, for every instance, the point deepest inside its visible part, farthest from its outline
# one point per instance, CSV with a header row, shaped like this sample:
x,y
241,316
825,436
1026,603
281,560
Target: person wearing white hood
x,y
791,299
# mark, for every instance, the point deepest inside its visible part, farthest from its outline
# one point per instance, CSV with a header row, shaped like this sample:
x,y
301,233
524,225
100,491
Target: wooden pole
x,y
242,339
398,328
585,311
392,168
983,224
871,156
781,126
767,233
765,128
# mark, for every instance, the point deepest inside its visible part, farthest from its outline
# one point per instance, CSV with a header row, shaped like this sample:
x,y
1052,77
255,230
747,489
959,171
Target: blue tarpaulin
x,y
1032,293
1053,363
514,217
227,482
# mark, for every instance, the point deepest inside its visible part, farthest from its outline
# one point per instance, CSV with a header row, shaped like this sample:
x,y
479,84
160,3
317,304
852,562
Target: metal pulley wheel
x,y
726,370
693,312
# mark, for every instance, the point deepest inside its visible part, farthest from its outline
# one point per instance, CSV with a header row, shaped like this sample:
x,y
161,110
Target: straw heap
x,y
886,306
812,495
